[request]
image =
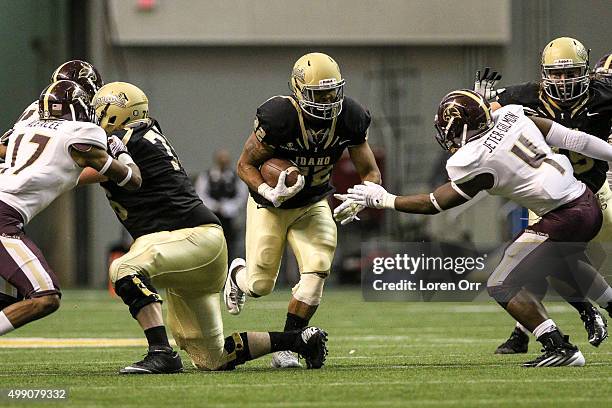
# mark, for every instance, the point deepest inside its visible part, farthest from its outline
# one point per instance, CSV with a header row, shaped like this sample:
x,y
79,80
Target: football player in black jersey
x,y
568,95
311,128
603,69
178,245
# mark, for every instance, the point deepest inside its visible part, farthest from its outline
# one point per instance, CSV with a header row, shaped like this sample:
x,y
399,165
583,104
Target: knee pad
x,y
136,292
309,289
261,287
236,351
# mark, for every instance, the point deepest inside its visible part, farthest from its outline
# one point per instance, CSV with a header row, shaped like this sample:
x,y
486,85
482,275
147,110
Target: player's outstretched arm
x,y
565,138
443,198
365,163
122,171
253,155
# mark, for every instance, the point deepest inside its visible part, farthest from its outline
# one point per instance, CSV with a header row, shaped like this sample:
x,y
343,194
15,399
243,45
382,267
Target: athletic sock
x,y
157,337
605,300
281,341
295,322
546,326
5,324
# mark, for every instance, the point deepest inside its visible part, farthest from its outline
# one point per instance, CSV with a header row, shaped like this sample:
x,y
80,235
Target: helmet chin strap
x,y
464,136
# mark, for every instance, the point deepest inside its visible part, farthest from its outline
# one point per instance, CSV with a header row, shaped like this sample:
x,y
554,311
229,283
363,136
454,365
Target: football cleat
x,y
595,325
310,344
160,360
517,343
234,297
284,359
557,354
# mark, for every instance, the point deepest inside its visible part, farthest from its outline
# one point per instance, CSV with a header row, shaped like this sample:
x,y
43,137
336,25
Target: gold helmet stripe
x,y
608,63
46,98
54,77
477,99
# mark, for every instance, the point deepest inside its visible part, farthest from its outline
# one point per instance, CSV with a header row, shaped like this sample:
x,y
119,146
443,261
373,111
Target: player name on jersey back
x,y
524,167
38,166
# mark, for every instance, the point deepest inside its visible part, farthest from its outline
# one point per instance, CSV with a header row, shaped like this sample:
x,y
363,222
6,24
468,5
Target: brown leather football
x,y
272,168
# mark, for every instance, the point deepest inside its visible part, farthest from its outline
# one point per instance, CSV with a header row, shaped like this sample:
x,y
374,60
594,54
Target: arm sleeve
x,y
577,141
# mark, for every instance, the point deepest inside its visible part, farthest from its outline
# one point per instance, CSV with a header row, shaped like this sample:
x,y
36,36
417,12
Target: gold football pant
x,y
310,231
191,264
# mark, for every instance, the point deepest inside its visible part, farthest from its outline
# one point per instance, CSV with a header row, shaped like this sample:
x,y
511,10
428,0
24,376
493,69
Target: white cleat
x,y
285,359
232,295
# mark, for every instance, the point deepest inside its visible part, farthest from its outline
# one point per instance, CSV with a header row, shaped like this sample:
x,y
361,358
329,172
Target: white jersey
x,y
524,167
30,114
38,166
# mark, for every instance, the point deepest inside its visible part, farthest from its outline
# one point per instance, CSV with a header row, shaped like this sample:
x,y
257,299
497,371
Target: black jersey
x,y
591,114
166,200
313,145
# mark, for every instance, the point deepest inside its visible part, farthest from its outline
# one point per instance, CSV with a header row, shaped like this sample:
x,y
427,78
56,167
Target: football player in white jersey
x,y
507,153
44,159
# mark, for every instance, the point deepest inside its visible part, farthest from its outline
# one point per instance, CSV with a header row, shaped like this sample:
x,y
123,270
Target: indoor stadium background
x,y
206,66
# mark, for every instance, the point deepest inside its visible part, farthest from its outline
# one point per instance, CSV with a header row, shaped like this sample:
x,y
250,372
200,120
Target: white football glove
x,y
347,211
371,195
116,147
277,195
485,83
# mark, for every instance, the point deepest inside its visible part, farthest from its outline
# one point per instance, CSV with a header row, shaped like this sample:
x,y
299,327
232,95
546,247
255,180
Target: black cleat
x,y
159,360
517,343
311,345
595,325
557,353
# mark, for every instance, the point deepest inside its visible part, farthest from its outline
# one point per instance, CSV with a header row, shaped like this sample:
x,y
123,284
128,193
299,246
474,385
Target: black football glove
x,y
485,83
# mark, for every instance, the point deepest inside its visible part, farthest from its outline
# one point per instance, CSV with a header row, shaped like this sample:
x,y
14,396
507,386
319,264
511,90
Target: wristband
x,y
435,202
126,179
389,201
125,159
106,166
263,189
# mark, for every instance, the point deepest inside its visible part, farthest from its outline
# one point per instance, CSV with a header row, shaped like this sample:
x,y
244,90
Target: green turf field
x,y
381,354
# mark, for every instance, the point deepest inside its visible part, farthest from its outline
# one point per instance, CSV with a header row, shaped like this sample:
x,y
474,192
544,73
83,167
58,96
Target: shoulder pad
x,y
140,124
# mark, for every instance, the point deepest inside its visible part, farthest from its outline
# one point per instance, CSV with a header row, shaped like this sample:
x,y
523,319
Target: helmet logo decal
x,y
120,100
87,72
299,74
451,112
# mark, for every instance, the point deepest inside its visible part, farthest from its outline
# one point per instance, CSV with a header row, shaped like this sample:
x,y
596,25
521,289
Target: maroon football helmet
x,y
65,100
81,72
604,66
463,115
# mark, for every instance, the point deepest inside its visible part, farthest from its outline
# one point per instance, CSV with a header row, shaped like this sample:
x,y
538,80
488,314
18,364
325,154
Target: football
x,y
271,169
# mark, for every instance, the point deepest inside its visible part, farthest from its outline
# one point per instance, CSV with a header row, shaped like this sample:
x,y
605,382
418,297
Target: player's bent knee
x,y
262,287
45,305
136,291
309,289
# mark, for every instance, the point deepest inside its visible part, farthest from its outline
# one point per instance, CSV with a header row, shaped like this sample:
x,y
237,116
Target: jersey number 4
x,y
525,150
41,142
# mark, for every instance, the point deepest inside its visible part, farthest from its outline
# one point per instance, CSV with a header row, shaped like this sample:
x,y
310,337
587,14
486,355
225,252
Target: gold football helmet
x,y
317,85
565,69
118,103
